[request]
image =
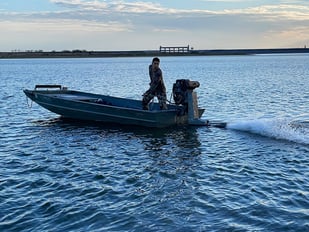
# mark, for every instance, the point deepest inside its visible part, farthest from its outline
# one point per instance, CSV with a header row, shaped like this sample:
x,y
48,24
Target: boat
x,y
108,109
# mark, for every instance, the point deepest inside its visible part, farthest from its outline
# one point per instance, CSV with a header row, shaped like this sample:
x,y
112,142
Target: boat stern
x,y
184,94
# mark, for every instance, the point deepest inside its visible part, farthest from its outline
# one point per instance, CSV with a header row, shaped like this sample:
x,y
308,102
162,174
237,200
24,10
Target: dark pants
x,y
149,95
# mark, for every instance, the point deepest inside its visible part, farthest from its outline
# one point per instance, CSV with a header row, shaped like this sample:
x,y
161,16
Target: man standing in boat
x,y
157,87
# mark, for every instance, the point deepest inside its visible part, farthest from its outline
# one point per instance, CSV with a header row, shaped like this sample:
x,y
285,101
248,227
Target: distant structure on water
x,y
184,49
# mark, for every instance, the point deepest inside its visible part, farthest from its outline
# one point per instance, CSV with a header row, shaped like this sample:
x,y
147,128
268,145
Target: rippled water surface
x,y
62,175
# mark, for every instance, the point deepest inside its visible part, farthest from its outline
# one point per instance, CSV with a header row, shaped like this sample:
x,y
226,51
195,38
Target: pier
x,y
185,49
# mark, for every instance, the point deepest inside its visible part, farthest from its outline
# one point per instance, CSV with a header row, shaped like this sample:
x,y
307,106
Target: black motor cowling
x,y
180,89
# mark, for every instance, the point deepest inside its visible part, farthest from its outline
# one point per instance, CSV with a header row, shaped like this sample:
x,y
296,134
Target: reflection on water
x,y
153,138
138,165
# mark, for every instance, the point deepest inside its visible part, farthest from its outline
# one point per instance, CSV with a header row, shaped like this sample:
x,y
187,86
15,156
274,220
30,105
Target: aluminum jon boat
x,y
108,109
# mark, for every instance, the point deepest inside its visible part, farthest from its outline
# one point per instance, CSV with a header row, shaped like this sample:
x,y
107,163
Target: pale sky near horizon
x,y
145,25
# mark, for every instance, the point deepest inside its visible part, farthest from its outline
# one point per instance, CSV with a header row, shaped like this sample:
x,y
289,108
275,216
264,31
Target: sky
x,y
104,25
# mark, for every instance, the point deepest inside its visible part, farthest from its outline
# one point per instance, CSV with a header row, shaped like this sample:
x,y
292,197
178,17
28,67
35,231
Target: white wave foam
x,y
275,128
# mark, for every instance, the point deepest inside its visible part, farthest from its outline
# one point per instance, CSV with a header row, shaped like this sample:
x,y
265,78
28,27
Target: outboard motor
x,y
180,89
183,94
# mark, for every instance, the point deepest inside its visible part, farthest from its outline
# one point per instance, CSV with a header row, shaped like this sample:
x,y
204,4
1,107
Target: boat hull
x,y
107,109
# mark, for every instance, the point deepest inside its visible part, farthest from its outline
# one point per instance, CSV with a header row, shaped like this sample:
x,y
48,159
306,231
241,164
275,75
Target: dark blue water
x,y
62,175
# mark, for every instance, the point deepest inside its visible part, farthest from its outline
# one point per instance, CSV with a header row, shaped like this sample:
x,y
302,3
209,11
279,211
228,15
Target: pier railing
x,y
184,49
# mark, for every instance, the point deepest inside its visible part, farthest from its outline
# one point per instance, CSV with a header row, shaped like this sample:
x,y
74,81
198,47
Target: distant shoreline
x,y
145,53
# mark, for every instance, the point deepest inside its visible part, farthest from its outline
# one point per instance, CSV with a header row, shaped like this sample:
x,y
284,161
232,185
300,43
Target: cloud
x,y
53,25
121,8
278,12
112,6
227,0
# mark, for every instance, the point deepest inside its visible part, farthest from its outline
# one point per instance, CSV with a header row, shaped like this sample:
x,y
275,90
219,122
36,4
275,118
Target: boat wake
x,y
295,131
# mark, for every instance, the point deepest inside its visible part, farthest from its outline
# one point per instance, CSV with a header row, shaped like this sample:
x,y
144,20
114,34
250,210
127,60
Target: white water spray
x,y
275,128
